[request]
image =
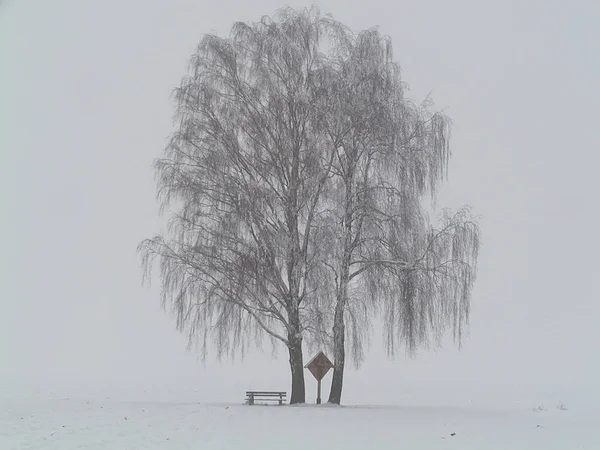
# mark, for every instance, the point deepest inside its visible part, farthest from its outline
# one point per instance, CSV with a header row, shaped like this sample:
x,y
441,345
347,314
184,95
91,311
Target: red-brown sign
x,y
319,366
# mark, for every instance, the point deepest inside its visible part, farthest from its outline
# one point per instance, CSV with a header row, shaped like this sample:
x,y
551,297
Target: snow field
x,y
65,424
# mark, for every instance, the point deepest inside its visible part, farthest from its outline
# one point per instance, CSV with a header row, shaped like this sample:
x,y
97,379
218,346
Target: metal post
x,y
318,392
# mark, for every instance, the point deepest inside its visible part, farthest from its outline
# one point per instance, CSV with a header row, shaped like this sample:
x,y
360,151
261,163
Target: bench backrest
x,y
266,393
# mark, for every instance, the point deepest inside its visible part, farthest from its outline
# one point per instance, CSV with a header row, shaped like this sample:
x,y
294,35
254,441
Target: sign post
x,y
319,366
318,392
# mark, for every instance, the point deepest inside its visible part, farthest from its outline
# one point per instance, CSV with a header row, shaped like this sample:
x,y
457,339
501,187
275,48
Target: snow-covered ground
x,y
111,423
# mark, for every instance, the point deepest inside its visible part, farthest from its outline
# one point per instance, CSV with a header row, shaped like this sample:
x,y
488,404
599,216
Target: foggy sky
x,y
85,108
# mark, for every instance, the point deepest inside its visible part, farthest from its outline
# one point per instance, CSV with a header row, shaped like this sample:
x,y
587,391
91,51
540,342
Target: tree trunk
x,y
339,327
339,337
297,367
339,354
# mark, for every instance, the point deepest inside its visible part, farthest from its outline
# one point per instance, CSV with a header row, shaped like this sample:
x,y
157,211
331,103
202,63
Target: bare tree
x,y
390,154
243,174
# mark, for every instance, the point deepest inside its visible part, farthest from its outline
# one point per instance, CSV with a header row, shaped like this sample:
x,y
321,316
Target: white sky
x,y
85,108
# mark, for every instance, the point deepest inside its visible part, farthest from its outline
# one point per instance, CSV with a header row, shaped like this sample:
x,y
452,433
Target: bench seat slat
x,y
268,398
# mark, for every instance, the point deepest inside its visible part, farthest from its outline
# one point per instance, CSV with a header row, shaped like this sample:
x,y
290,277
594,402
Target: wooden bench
x,y
265,396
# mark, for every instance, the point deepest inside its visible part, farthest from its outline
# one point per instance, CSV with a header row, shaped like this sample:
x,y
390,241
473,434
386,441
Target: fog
x,y
85,107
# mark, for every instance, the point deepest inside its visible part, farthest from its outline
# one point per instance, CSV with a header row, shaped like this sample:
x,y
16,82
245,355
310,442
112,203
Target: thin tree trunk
x,y
297,367
339,353
339,326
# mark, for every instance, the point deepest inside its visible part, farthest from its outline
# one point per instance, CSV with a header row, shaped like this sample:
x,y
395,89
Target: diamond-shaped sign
x,y
319,365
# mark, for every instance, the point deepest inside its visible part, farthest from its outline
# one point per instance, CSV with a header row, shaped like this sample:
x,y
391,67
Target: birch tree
x,y
242,177
390,155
